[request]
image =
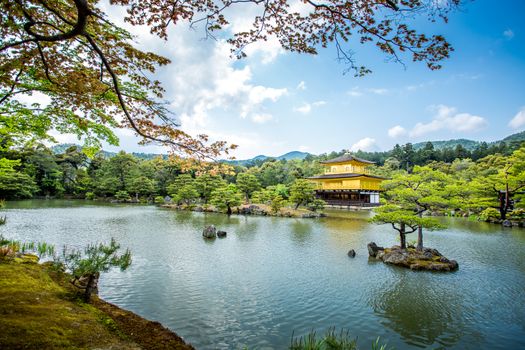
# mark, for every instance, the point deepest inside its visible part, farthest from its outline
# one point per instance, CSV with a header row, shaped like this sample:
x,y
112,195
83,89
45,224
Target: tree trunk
x,y
90,286
420,234
229,211
419,238
402,237
297,205
502,207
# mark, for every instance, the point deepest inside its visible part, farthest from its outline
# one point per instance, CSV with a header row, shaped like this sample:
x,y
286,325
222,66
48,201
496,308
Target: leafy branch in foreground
x,y
93,77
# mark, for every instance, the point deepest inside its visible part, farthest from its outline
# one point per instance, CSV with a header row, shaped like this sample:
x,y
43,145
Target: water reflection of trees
x,y
245,227
301,231
421,309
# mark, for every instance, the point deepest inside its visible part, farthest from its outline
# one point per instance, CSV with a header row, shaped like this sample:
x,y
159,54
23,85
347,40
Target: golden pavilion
x,y
347,182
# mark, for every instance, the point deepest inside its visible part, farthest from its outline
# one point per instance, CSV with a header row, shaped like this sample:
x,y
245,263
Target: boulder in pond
x,y
351,253
373,249
506,223
221,234
209,232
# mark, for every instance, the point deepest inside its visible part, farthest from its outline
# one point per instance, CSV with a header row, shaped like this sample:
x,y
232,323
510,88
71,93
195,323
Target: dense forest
x,y
37,171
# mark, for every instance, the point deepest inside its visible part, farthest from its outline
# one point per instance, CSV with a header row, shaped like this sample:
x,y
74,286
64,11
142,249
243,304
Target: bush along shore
x,y
250,209
41,309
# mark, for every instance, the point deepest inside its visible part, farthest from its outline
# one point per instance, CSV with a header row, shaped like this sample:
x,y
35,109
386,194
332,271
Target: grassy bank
x,y
40,310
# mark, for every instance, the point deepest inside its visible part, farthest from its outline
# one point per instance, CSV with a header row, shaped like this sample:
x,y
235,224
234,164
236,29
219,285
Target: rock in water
x,y
209,232
396,257
221,234
507,223
373,249
428,259
351,253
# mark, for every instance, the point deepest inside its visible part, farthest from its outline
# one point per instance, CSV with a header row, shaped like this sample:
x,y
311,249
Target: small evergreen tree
x,y
226,197
247,183
302,192
86,266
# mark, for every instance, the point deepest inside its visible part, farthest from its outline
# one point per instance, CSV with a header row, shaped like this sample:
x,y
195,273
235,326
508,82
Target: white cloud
x,y
301,85
396,131
518,120
357,92
262,118
304,109
508,34
213,83
366,144
447,118
307,107
379,91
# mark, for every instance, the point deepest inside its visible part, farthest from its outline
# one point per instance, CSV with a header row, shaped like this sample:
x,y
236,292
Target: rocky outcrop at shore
x,y
427,259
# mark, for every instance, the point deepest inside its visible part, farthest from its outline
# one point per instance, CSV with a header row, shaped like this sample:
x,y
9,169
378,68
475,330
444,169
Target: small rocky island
x,y
427,259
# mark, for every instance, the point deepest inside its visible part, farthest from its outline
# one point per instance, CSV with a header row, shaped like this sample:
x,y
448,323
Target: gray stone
x,y
453,264
395,257
506,223
209,232
351,253
373,249
167,199
427,256
221,234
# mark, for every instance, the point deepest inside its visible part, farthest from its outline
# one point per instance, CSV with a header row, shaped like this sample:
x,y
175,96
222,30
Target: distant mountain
x,y
287,156
470,144
520,136
62,148
293,155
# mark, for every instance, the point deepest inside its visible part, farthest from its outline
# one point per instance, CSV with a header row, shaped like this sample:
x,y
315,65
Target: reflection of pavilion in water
x,y
347,182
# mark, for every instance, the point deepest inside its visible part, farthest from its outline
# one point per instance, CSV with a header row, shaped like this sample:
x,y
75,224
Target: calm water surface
x,y
274,276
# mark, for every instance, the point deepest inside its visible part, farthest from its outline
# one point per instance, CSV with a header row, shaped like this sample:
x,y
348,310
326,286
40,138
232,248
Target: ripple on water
x,y
271,277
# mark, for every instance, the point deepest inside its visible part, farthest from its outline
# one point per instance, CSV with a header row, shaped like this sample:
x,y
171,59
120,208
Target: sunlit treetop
x,y
87,76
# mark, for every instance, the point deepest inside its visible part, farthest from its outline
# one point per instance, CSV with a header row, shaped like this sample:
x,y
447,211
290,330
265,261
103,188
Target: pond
x,y
271,277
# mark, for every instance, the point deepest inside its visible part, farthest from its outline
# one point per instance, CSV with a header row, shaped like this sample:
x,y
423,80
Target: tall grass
x,y
331,340
42,249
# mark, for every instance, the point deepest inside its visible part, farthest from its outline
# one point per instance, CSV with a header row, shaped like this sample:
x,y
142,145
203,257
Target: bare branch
x,y
12,89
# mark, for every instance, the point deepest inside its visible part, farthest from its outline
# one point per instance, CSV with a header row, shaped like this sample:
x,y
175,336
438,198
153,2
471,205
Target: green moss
x,y
39,313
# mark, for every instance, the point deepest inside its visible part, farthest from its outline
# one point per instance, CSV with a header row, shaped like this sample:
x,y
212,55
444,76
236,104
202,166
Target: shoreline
x,y
249,209
41,310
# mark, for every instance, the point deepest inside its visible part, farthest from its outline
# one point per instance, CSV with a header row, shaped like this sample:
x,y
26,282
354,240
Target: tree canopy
x,y
86,75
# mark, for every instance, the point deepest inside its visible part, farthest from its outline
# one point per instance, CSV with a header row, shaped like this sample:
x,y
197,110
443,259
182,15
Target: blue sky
x,y
275,101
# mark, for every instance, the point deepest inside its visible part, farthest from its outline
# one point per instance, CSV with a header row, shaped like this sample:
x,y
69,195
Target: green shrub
x,y
517,214
316,204
122,196
489,214
90,196
159,200
277,203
